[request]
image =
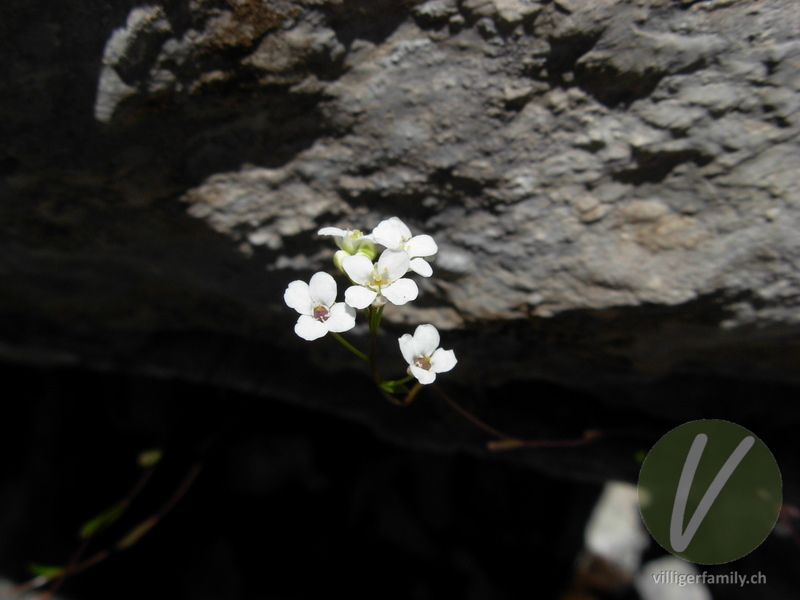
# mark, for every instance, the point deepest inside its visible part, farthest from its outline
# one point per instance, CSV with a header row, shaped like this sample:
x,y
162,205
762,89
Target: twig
x,y
507,442
122,505
128,540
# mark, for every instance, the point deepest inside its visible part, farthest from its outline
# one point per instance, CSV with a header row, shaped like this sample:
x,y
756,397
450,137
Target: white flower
x,y
376,283
395,235
319,311
351,241
423,355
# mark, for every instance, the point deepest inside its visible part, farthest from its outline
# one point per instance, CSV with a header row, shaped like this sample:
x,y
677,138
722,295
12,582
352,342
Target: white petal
x,y
423,376
443,360
401,291
421,245
359,297
395,262
388,234
341,318
426,339
401,227
332,231
309,328
358,268
323,289
407,348
298,297
421,267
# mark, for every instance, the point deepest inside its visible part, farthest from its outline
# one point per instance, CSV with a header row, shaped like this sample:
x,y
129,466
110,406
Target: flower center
x,y
378,279
423,362
321,314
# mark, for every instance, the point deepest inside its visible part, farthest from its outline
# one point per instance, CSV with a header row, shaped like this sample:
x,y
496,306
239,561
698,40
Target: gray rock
x,y
613,185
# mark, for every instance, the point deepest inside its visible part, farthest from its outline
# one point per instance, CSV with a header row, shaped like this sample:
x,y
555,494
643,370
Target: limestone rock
x,y
613,185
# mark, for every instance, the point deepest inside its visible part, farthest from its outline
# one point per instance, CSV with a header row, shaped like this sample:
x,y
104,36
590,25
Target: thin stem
x,y
510,444
472,418
378,315
374,314
123,504
350,347
412,394
396,382
391,398
506,442
126,541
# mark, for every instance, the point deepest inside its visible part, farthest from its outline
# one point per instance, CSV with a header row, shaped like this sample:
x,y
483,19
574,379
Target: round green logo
x,y
710,491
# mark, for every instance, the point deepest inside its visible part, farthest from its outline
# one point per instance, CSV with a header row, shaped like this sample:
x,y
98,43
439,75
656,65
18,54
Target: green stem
x,y
396,382
374,318
375,313
350,347
391,397
412,394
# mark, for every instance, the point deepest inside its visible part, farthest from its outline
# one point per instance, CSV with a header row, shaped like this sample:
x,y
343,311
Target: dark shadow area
x,y
619,89
614,89
293,502
52,52
370,20
655,167
564,54
290,503
163,139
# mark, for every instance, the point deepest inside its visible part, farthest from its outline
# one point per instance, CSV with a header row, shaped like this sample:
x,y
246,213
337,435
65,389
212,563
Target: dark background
x,y
290,502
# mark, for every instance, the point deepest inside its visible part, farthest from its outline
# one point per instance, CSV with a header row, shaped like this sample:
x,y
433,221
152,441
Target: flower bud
x,y
367,248
350,241
338,257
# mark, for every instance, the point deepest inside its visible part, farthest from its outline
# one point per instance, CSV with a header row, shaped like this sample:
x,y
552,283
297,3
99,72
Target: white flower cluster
x,y
373,284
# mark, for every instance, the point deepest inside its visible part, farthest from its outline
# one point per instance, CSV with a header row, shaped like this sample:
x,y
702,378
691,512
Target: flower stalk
x,y
377,279
350,347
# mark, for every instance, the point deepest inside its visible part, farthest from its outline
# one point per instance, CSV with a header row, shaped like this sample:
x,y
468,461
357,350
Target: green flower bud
x,y
350,241
339,257
368,249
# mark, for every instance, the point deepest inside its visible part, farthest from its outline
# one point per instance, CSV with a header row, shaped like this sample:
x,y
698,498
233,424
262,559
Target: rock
x,y
436,10
613,185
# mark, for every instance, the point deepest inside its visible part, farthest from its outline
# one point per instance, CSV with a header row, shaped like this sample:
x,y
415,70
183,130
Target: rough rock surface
x,y
602,160
613,185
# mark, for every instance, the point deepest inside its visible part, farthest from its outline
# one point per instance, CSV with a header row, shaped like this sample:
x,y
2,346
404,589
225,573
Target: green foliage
x,y
47,571
150,458
101,521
